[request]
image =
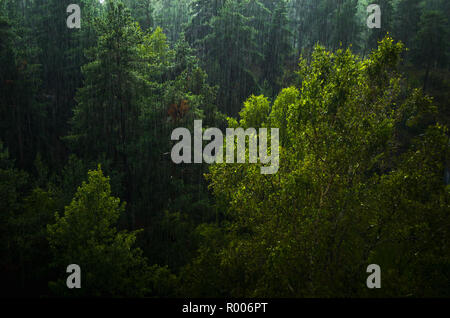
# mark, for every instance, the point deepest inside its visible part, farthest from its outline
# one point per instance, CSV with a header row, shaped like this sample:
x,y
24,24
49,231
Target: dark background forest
x,y
86,175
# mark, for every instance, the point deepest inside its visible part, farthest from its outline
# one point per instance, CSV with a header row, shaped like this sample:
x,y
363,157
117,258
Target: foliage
x,y
345,196
86,235
364,147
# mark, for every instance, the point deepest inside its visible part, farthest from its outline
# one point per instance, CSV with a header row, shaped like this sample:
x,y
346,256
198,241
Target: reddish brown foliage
x,y
178,111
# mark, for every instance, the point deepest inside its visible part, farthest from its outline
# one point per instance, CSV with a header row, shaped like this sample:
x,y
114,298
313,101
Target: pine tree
x,y
107,111
277,48
86,235
430,45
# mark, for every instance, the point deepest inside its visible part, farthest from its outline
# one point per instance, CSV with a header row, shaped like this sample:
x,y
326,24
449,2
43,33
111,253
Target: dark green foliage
x,y
431,47
86,235
364,168
24,214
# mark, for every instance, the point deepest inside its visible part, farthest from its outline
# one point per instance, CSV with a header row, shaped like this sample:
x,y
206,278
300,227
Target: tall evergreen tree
x,y
430,45
277,49
86,235
107,109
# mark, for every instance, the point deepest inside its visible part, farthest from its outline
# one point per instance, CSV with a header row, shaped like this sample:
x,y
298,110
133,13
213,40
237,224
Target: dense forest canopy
x,y
86,175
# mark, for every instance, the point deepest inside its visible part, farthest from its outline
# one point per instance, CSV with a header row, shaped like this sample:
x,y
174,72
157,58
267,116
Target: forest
x,y
86,175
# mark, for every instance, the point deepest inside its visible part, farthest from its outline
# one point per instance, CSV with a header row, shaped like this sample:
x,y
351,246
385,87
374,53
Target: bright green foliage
x,y
345,195
279,114
255,112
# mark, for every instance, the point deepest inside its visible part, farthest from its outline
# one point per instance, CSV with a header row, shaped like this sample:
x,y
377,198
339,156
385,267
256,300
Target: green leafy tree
x,y
86,235
312,229
255,112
